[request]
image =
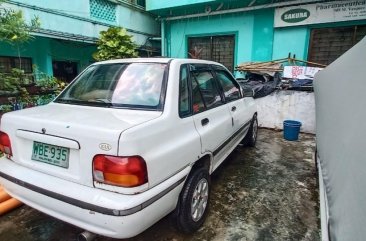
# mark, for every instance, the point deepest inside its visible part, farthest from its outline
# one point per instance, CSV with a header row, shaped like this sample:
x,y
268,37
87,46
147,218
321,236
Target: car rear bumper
x,y
98,211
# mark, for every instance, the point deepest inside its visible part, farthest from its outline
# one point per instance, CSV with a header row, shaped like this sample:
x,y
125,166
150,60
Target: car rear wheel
x,y
193,203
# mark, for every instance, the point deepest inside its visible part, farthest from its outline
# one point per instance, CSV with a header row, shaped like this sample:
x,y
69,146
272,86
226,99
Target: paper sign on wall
x,y
300,72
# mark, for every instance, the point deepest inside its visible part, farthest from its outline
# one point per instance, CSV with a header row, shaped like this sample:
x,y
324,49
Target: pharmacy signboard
x,y
325,12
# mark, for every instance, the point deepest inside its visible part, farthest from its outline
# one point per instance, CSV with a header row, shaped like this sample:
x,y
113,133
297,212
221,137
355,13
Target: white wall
x,y
287,104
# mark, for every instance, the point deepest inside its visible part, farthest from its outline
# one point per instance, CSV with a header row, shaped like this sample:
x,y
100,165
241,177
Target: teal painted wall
x,y
239,24
36,49
43,56
78,8
44,50
181,7
72,51
159,4
74,17
253,31
291,39
263,35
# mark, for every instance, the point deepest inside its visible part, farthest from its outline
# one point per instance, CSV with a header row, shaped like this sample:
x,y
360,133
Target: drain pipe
x,y
86,236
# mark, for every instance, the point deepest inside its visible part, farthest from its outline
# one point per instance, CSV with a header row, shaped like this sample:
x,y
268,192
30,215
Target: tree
x,y
115,43
14,29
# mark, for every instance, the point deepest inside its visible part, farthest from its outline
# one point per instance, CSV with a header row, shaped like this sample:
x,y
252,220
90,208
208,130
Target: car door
x,y
211,116
235,102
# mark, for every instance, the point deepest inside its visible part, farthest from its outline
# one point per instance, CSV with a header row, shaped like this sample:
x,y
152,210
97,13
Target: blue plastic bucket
x,y
291,129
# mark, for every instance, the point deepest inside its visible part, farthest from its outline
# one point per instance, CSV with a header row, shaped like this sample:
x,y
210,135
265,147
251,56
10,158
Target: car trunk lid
x,y
71,134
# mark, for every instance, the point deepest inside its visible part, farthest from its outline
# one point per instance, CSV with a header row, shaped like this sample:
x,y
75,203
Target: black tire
x,y
184,219
251,137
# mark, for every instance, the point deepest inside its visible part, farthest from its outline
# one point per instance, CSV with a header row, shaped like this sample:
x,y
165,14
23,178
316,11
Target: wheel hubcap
x,y
199,200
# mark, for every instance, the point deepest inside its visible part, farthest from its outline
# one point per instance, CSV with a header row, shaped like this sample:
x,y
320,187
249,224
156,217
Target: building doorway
x,y
65,70
327,44
216,48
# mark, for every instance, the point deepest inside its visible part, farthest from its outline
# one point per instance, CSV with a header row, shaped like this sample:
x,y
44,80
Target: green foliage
x,y
47,82
13,28
115,43
10,82
13,83
17,86
5,108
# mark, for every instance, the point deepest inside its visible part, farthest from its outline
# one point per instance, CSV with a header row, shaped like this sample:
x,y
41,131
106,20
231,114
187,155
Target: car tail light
x,y
5,144
120,171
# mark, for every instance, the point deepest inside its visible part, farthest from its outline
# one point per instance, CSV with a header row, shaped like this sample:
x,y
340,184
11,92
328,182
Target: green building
x,y
64,44
226,31
236,31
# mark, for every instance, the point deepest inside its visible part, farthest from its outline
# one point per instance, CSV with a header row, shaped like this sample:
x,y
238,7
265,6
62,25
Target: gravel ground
x,y
268,192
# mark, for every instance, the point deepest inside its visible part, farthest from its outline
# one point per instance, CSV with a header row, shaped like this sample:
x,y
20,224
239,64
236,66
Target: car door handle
x,y
233,108
204,121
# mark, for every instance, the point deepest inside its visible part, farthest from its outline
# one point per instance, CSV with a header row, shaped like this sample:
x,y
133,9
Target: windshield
x,y
130,85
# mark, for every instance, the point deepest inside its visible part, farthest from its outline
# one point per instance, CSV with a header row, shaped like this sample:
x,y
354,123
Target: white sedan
x,y
126,143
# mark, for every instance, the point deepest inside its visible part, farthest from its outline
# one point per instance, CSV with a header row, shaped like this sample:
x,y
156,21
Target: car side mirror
x,y
248,92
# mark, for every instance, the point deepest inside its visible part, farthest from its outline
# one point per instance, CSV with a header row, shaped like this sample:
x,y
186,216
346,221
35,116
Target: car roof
x,y
157,60
136,60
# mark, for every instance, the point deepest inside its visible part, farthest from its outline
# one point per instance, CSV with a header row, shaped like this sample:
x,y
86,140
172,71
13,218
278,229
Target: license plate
x,y
54,155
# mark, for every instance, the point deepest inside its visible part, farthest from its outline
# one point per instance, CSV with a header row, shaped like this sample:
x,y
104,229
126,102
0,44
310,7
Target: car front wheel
x,y
251,138
193,203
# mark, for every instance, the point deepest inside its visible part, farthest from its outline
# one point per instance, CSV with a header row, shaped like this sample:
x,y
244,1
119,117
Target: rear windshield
x,y
129,85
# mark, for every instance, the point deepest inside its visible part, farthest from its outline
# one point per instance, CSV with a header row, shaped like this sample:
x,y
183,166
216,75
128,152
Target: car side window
x,y
184,102
230,88
207,87
197,102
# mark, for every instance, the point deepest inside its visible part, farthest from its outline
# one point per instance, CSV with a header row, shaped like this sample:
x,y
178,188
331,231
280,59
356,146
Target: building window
x,y
65,70
216,48
103,9
327,44
141,3
8,63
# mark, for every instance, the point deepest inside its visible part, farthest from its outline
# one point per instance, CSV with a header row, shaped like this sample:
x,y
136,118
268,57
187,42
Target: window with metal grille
x,y
216,48
7,63
103,9
141,3
327,44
